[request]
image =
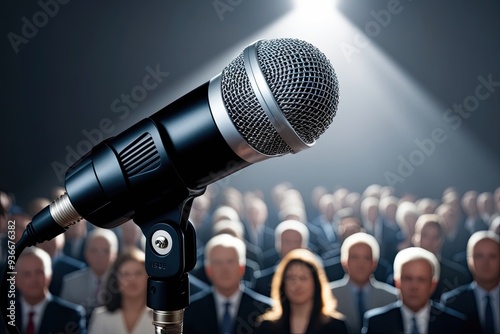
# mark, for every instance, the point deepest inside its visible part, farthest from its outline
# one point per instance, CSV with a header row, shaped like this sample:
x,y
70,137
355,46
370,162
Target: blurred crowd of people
x,y
327,261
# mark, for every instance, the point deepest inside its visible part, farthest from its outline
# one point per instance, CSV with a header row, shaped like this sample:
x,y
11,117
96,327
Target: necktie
x,y
226,320
414,328
489,326
98,291
30,328
361,306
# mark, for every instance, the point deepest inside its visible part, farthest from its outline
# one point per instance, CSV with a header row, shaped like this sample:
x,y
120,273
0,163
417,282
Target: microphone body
x,y
180,147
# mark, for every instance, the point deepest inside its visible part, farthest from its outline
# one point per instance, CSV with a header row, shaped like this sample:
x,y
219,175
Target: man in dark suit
x,y
359,291
257,230
483,254
229,307
86,286
327,224
456,236
61,263
416,272
391,232
473,221
36,309
429,234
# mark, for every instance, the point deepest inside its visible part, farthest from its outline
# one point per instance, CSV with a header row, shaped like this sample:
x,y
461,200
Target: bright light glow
x,y
385,118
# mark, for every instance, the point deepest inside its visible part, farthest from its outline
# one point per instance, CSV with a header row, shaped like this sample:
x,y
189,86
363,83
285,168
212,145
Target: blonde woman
x,y
303,301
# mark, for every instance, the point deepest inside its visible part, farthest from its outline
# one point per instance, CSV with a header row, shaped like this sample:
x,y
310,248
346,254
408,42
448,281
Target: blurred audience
x,y
396,221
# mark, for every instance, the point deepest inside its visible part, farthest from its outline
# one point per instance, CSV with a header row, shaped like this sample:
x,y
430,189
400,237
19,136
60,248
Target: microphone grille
x,y
301,80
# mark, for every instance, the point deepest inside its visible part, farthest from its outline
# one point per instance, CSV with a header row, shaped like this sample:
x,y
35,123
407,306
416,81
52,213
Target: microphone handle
x,y
178,147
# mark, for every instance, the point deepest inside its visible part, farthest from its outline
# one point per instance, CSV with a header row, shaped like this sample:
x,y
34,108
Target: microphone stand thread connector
x,y
166,322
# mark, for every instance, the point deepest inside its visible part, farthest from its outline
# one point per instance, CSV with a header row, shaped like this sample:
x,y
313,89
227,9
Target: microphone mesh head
x,y
303,83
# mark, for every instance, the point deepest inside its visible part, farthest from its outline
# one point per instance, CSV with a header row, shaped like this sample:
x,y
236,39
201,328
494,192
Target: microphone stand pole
x,y
170,254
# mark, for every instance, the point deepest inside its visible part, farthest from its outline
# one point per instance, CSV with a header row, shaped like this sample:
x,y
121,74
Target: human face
x,y
223,269
290,240
31,279
416,284
360,264
132,279
450,218
485,261
430,239
99,255
372,214
298,284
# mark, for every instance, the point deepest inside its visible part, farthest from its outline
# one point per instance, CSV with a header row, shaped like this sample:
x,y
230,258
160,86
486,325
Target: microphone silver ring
x,y
267,101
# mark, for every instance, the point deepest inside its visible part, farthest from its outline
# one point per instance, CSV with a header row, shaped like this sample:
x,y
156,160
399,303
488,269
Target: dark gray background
x,y
394,90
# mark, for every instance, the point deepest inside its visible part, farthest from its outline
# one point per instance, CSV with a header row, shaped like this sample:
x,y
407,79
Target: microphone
x,y
277,97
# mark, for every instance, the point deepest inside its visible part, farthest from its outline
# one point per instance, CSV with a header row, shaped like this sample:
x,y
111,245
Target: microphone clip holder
x,y
170,254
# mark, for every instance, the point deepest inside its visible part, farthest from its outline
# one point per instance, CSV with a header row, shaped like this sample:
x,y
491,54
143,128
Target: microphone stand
x,y
170,254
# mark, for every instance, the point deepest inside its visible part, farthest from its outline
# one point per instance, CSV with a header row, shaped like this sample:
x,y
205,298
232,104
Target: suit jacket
x,y
59,316
463,300
380,294
452,276
77,288
321,242
263,280
61,266
389,320
391,237
333,325
201,315
457,245
266,237
77,253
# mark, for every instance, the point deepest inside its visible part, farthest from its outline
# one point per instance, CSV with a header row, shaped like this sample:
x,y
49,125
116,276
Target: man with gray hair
x,y
37,310
416,273
480,300
86,286
359,291
229,307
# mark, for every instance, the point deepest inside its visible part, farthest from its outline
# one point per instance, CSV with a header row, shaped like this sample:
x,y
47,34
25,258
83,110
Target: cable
x,y
43,227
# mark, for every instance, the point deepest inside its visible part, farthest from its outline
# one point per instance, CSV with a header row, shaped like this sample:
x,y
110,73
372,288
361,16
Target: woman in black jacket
x,y
303,300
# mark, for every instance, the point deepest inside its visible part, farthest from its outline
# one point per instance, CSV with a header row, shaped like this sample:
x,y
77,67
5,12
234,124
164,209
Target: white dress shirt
x,y
480,295
220,304
38,310
422,317
104,322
